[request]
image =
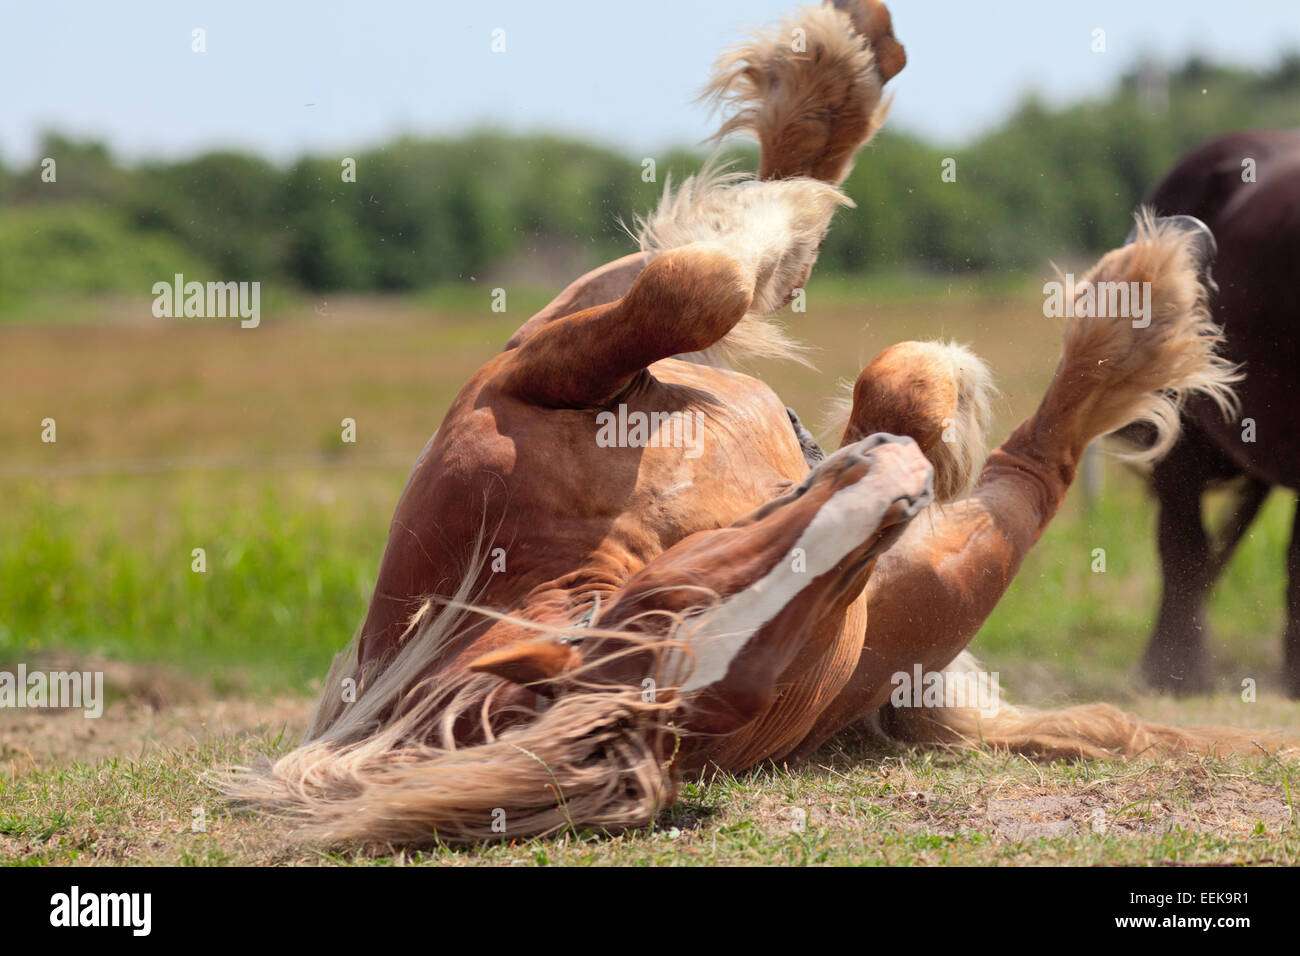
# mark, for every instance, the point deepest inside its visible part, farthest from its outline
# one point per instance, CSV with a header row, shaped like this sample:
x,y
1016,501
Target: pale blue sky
x,y
619,71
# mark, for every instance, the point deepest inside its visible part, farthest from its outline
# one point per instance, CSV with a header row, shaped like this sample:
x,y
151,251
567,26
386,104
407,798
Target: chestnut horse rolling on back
x,y
618,563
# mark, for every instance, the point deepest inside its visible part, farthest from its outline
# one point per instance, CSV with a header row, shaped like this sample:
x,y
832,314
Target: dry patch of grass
x,y
129,790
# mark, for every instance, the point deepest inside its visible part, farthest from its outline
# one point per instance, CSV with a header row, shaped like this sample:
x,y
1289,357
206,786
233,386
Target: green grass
x,y
1067,630
897,286
104,567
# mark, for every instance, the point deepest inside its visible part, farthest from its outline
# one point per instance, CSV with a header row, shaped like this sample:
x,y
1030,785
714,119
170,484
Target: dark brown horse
x,y
1246,187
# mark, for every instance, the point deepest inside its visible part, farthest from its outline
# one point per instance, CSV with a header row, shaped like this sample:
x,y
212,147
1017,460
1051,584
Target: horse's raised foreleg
x,y
684,301
603,284
739,251
810,89
810,109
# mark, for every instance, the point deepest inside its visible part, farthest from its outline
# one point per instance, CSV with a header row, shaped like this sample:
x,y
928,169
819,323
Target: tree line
x,y
1047,182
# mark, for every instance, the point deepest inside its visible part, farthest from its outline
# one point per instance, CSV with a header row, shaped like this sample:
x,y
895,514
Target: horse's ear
x,y
529,662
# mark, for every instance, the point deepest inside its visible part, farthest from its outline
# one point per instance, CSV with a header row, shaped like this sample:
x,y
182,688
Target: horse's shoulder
x,y
1206,181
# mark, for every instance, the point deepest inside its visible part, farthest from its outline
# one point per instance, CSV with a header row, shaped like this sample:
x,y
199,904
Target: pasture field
x,y
181,434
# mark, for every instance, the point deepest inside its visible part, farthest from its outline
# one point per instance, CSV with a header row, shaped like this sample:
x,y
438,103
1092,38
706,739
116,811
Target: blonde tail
x,y
1097,731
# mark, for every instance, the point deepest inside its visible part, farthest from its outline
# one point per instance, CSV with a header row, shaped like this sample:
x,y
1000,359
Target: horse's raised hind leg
x,y
931,592
936,393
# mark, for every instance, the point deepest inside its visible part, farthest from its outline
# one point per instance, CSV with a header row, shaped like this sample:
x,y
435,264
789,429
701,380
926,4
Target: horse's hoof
x,y
812,452
1291,675
1206,246
1182,675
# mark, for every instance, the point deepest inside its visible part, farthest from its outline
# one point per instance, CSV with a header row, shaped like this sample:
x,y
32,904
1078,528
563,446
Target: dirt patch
x,y
31,740
1229,808
1122,800
148,707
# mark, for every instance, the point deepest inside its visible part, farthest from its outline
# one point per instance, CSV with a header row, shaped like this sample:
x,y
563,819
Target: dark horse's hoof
x,y
1181,674
1206,246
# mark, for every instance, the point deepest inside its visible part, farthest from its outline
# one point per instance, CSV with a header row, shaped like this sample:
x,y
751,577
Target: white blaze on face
x,y
842,524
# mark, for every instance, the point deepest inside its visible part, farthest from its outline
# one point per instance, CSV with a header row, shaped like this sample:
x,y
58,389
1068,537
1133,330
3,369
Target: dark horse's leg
x,y
1177,657
1291,642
